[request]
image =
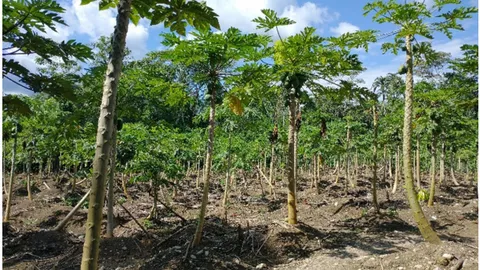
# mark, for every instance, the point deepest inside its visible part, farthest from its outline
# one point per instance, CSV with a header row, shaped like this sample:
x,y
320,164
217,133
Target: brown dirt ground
x,y
256,236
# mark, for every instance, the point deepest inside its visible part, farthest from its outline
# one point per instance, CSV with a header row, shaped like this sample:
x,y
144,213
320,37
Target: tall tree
x,y
213,56
301,60
415,19
175,14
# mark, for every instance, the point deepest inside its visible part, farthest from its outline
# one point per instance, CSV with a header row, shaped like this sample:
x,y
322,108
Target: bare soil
x,y
256,235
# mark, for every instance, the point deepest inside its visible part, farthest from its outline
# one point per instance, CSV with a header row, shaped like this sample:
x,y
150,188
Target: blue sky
x,y
87,24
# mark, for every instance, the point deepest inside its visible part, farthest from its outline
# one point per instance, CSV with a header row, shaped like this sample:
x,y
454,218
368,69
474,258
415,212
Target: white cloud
x,y
239,14
374,70
453,46
344,27
137,37
307,15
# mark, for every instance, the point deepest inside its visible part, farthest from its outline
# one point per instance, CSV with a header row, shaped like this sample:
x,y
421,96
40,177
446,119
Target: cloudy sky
x,y
330,17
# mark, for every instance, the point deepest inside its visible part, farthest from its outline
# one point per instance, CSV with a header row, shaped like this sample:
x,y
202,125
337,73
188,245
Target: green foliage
x,y
414,18
423,195
271,20
22,20
175,14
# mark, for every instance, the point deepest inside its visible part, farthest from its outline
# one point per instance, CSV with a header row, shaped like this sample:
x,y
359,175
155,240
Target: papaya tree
x,y
22,21
302,60
213,56
175,14
415,19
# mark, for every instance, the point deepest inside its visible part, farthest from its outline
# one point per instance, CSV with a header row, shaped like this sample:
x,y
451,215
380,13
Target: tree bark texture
x,y
425,229
91,246
291,170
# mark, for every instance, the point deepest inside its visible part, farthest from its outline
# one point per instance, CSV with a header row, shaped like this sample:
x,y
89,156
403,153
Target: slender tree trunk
x,y
433,170
265,161
347,161
12,176
124,186
442,163
91,246
227,180
29,174
197,181
153,211
205,164
319,166
337,169
452,173
74,178
426,230
291,170
111,178
314,179
295,147
419,180
272,165
208,167
374,180
355,169
390,171
397,170
385,163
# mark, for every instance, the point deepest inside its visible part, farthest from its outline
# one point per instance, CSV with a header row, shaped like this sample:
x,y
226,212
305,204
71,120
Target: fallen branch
x,y
62,224
85,179
46,185
266,180
172,235
173,212
138,223
261,246
341,206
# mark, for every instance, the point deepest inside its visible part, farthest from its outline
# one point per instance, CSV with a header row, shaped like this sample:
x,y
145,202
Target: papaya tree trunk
x,y
347,161
442,163
205,164
197,181
272,171
153,211
355,168
452,172
314,165
10,182
111,178
385,163
432,172
397,170
337,169
208,167
419,180
91,247
426,230
374,179
390,170
319,166
29,175
227,179
291,170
